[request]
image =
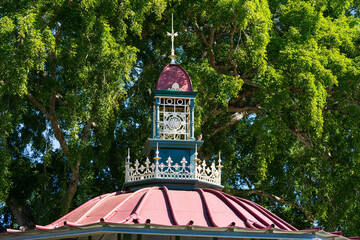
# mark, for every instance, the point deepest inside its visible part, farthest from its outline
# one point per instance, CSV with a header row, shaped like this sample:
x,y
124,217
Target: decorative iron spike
x,y
127,162
219,166
172,35
196,154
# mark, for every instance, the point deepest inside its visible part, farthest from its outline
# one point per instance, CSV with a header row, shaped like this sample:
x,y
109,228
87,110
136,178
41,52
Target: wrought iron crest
x,y
199,170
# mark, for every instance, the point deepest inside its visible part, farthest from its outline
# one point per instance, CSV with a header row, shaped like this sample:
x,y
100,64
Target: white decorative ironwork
x,y
200,171
174,118
175,87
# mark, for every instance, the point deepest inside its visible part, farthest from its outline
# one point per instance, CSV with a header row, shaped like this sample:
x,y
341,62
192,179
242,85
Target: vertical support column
x,y
152,122
192,104
157,116
127,236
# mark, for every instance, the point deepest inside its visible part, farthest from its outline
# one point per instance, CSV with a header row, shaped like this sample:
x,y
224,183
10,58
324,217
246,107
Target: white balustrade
x,y
169,170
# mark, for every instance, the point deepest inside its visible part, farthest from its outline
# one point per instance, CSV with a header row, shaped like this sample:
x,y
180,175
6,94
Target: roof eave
x,y
152,229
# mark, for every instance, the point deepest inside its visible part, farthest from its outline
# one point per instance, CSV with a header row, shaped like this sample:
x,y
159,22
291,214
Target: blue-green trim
x,y
174,184
172,93
70,232
192,106
157,120
167,143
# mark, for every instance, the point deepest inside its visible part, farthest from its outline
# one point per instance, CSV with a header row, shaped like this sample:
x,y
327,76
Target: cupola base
x,y
174,184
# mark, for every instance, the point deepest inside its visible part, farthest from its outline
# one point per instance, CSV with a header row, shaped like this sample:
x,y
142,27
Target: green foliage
x,y
66,71
284,144
278,95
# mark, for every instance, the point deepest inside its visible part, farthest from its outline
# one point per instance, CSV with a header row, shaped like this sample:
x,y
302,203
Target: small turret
x,y
172,144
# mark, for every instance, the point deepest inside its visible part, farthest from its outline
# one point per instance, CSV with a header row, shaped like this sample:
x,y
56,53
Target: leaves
x,y
278,95
66,64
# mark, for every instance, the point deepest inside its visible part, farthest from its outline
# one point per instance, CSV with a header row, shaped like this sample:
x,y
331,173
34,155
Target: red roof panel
x,y
204,207
189,207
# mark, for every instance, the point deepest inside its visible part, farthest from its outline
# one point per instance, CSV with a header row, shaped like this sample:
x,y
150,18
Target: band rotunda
x,y
173,194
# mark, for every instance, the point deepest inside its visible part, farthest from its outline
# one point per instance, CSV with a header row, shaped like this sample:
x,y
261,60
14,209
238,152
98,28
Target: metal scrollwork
x,y
169,170
174,115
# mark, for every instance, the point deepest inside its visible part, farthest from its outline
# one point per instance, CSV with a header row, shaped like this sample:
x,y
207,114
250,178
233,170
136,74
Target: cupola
x,y
172,150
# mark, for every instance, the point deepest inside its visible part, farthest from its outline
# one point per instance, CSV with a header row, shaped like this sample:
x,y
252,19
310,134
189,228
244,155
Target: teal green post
x,y
192,104
157,117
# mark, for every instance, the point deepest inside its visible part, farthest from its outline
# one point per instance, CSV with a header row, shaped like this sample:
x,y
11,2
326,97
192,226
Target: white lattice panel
x,y
174,118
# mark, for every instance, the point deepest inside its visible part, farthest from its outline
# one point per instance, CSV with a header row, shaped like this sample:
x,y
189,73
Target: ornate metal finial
x,y
157,158
219,165
196,154
157,152
172,35
128,158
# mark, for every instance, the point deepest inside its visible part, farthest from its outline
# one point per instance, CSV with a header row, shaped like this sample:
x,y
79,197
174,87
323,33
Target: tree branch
x,y
246,82
243,109
75,173
241,97
232,62
300,137
56,126
41,107
86,131
74,181
234,118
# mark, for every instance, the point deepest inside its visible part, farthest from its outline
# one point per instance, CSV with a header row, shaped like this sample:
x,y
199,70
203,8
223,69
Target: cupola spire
x,y
172,35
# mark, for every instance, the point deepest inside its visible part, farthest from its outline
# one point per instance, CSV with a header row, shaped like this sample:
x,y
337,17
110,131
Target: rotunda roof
x,y
158,205
174,77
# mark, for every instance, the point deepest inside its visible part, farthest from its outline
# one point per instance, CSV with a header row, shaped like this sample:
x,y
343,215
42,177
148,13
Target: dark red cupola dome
x,y
174,77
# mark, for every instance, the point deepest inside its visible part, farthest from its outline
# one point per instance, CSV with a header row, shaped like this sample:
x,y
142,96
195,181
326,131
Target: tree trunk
x,y
73,185
21,211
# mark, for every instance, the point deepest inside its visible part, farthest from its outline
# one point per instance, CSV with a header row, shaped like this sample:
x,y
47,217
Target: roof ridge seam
x,y
94,207
172,212
112,212
147,195
278,221
80,207
227,202
201,192
249,210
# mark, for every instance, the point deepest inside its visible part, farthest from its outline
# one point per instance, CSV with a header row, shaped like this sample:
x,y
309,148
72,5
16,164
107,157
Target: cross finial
x,y
172,35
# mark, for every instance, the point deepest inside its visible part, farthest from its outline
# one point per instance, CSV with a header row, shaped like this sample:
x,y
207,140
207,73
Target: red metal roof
x,y
158,205
174,73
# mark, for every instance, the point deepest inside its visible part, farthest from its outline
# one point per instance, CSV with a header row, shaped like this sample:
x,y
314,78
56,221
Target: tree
x,y
65,71
296,63
278,95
